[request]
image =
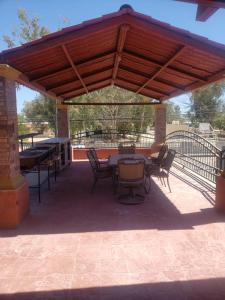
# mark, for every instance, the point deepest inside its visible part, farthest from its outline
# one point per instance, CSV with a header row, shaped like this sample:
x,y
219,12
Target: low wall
x,y
79,153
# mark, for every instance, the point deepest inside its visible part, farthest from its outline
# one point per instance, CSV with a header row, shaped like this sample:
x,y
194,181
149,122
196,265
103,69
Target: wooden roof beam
x,y
94,60
165,82
212,3
147,88
120,45
132,87
177,70
191,87
24,80
163,67
88,78
74,67
204,12
93,86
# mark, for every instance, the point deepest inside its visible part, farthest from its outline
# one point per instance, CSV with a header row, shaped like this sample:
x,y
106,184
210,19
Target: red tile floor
x,y
75,245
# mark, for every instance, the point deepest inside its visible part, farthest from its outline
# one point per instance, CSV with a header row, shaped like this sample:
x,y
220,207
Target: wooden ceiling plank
x,y
120,45
93,60
125,79
191,87
132,86
91,86
163,67
24,80
89,77
168,83
148,60
74,67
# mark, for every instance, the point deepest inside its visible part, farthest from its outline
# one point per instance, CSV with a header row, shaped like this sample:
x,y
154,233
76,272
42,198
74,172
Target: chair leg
x,y
168,183
147,178
160,178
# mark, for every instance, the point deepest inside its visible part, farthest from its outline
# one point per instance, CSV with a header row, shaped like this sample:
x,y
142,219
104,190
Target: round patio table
x,y
113,159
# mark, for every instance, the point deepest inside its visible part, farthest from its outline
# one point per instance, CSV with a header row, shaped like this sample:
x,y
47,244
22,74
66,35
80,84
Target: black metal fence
x,y
196,153
111,138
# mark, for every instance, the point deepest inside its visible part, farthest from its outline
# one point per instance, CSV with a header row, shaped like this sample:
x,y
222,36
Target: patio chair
x,y
99,172
126,149
161,171
94,154
162,153
131,176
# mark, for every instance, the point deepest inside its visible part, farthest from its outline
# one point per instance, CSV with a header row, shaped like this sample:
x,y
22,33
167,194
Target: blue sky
x,y
52,13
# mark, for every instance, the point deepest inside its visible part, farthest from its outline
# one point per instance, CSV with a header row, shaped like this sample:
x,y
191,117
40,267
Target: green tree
x,y
205,104
41,112
117,117
29,29
22,128
173,113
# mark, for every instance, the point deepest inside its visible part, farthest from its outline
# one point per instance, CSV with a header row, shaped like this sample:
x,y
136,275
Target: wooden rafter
x,y
204,12
103,73
212,3
120,45
74,67
91,61
93,86
146,60
132,87
191,87
144,75
147,88
163,67
24,80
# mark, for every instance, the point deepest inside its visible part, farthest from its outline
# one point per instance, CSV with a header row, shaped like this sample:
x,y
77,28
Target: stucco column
x,y
160,123
63,127
14,194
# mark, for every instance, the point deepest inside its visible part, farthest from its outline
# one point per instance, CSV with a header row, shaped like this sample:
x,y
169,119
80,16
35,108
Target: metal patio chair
x,y
99,172
161,171
131,176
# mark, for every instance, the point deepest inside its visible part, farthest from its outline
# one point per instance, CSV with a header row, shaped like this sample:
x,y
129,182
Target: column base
x,y
14,205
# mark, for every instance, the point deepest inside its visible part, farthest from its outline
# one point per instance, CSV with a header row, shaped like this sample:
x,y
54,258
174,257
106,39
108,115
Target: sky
x,y
52,13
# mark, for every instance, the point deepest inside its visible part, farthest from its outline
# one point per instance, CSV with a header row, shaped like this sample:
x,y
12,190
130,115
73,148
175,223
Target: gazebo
x,y
126,49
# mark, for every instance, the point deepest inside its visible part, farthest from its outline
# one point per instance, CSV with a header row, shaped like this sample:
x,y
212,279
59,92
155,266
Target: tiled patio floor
x,y
75,245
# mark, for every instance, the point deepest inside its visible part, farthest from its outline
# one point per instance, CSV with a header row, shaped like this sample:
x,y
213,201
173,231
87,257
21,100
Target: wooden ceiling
x,y
206,8
126,49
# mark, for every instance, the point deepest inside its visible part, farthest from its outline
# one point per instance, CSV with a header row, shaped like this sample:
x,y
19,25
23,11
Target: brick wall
x,y
9,151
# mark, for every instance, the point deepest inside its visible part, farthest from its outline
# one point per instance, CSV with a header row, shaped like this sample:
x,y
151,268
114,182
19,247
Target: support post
x,y
14,195
63,128
160,123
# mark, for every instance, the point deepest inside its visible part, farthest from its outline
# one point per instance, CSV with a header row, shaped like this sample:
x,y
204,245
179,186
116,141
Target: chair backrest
x,y
162,152
93,163
94,154
168,160
126,149
131,170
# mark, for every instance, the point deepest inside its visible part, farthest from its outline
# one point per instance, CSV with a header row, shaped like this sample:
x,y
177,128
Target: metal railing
x,y
196,154
111,138
27,140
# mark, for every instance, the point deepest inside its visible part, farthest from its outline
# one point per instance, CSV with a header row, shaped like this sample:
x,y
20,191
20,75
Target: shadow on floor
x,y
207,289
70,207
